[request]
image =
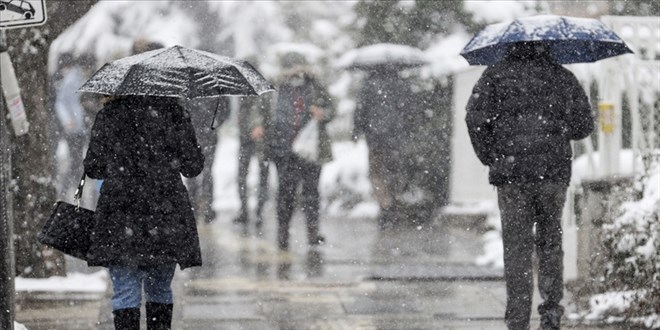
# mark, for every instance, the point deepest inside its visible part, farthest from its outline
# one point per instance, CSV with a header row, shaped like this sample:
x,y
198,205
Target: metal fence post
x,y
7,269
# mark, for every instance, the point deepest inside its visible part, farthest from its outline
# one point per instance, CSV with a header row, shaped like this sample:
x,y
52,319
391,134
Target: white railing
x,y
640,85
637,77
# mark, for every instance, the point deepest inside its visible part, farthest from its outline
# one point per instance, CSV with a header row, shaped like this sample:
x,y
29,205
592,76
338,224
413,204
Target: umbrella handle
x,y
77,196
214,114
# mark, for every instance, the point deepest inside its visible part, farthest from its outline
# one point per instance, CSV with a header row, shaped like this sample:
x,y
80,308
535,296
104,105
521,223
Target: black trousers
x,y
245,152
522,206
292,171
201,187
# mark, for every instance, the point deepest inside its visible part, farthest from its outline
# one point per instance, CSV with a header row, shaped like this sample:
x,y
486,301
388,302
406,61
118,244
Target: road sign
x,y
22,13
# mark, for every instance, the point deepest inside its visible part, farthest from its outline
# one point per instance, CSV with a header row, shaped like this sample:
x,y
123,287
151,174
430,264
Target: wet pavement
x,y
362,278
407,277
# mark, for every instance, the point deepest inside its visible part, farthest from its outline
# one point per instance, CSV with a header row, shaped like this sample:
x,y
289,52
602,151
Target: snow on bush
x,y
18,326
631,243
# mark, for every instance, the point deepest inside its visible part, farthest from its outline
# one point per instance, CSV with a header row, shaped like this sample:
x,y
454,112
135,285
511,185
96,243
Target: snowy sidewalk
x,y
363,278
422,277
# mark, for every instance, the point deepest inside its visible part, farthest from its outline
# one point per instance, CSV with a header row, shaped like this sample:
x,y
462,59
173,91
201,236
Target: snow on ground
x,y
73,282
18,326
587,166
344,184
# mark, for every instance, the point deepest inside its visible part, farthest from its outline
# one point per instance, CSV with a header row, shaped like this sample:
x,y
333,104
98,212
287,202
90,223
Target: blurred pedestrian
x,y
201,187
253,117
383,101
301,98
521,116
144,223
71,116
141,45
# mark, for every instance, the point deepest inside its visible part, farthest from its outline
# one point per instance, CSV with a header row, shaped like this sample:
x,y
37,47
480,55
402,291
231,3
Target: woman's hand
x,y
318,113
257,133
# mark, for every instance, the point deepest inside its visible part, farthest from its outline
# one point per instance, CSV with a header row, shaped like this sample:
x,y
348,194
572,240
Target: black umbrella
x,y
177,72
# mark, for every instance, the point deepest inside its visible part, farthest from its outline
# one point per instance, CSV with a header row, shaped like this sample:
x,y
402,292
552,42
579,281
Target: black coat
x,y
383,101
140,147
521,117
285,124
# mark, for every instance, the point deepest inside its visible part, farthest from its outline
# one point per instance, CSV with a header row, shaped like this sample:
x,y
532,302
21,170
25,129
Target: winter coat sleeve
x,y
96,162
359,117
579,117
190,152
323,99
480,112
259,112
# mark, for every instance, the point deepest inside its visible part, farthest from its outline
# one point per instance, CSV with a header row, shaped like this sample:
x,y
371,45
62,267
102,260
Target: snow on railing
x,y
640,87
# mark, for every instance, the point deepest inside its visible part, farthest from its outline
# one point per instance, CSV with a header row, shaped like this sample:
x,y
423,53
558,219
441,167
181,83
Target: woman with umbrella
x,y
141,143
144,221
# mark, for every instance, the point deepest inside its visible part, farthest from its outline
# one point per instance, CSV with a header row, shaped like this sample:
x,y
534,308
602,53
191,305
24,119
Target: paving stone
x,y
363,278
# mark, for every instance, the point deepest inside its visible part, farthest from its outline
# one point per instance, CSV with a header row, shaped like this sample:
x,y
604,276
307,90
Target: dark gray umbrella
x,y
177,72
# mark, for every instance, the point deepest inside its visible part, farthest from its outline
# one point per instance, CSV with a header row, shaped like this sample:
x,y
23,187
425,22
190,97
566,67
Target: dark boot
x,y
241,219
551,320
159,316
127,319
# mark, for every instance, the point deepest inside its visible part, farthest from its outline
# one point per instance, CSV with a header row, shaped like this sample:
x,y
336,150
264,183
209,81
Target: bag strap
x,y
78,194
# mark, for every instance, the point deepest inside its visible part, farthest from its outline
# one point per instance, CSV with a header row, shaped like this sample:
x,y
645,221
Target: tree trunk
x,y
32,154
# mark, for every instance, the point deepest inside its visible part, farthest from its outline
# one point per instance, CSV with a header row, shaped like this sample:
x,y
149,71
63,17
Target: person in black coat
x,y
144,223
382,103
521,116
302,97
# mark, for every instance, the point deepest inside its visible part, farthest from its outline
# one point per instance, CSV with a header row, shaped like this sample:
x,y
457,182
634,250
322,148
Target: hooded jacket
x,y
297,91
521,116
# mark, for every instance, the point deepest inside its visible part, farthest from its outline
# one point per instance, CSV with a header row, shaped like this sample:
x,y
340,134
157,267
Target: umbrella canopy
x,y
569,39
177,72
380,55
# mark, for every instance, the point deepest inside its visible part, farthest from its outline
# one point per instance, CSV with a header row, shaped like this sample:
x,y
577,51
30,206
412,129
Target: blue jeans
x,y
127,282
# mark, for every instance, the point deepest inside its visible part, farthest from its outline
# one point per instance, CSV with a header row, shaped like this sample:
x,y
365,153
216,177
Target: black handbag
x,y
69,227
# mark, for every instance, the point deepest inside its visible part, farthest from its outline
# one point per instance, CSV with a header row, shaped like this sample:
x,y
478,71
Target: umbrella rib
x,y
506,31
564,25
228,82
124,79
183,57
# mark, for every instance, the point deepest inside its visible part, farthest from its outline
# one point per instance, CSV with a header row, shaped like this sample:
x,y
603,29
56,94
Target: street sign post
x,y
13,14
7,268
22,13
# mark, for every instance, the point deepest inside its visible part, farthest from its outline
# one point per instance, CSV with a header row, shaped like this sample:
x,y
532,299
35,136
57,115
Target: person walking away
x,y
521,116
380,115
71,116
301,97
253,117
201,187
144,223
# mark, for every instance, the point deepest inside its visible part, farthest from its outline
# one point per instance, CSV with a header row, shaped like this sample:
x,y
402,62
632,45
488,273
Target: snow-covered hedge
x,y
631,243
